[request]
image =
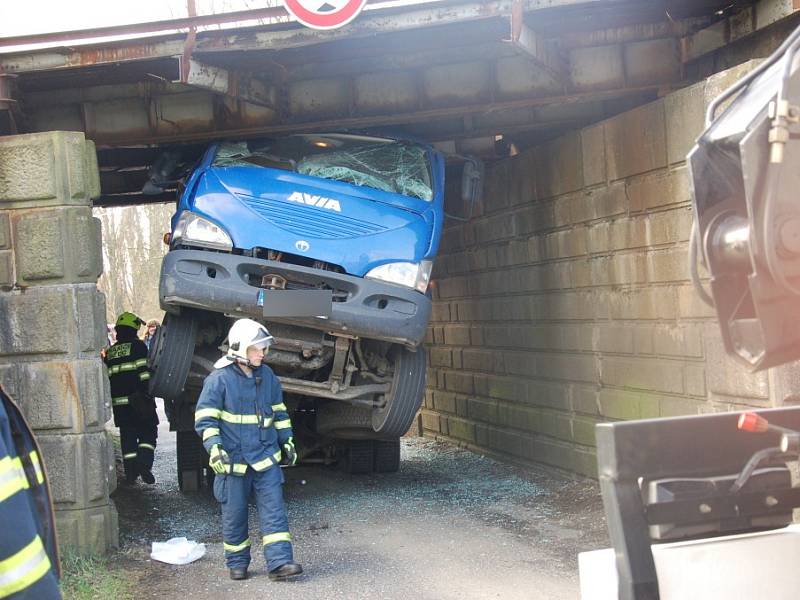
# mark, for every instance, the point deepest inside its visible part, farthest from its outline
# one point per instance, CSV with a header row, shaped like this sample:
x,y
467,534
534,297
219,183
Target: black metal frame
x,y
692,446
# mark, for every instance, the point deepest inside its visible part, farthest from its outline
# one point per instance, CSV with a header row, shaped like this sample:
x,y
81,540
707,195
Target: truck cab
x,y
329,240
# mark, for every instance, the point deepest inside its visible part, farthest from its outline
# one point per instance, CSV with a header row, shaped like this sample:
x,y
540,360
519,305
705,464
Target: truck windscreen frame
x,y
395,166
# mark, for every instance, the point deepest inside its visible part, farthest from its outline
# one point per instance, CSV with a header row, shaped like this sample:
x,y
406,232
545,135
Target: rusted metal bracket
x,y
222,81
188,45
342,349
216,79
530,44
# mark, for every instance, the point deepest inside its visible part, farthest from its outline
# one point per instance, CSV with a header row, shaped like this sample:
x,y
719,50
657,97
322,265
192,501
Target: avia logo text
x,y
318,201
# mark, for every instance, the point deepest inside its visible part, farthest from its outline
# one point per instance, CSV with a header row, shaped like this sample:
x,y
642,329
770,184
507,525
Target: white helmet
x,y
243,334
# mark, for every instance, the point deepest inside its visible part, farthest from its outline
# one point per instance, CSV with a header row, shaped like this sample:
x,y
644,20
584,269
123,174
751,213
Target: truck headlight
x,y
412,275
193,229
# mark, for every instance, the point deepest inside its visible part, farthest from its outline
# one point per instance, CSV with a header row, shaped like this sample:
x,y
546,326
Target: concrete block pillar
x,y
52,325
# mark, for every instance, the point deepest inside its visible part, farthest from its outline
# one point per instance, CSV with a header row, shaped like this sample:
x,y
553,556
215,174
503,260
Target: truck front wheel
x,y
405,396
171,354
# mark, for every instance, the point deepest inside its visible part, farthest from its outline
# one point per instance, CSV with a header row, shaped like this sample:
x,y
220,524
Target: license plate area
x,y
296,303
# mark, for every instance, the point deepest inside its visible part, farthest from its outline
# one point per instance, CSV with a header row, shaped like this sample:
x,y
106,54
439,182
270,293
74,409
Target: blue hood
x,y
355,227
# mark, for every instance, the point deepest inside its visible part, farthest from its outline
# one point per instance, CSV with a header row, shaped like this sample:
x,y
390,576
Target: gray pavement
x,y
449,525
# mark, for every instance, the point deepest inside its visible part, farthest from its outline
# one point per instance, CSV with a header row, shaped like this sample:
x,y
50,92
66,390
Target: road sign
x,y
324,14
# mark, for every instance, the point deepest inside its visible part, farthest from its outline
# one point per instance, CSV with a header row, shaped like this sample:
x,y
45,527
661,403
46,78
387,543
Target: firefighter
x,y
134,407
246,430
29,567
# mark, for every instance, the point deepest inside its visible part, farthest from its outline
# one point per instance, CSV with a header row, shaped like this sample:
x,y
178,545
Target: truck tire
x,y
405,396
171,354
344,421
386,456
191,461
359,457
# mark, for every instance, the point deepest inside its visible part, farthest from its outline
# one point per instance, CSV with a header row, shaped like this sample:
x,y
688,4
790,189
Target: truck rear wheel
x,y
386,456
359,457
191,461
171,354
405,396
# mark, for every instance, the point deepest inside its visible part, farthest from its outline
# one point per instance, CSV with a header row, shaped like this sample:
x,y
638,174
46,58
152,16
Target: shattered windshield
x,y
395,166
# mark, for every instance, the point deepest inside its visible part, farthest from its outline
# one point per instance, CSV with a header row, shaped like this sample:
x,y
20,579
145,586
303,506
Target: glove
x,y
219,461
289,453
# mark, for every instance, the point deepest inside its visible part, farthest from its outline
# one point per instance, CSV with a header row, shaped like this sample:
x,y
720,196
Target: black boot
x,y
131,473
147,475
286,571
238,573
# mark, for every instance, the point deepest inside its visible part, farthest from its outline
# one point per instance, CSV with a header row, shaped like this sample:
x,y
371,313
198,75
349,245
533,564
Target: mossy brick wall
x,y
52,324
566,301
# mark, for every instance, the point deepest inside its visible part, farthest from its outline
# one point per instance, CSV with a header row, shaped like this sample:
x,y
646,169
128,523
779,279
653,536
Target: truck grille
x,y
311,221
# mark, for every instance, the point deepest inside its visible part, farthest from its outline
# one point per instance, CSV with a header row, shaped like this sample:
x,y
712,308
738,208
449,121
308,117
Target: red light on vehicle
x,y
752,422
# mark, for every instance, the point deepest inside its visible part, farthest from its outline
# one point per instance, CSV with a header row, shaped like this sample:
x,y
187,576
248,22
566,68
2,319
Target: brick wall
x,y
52,325
566,301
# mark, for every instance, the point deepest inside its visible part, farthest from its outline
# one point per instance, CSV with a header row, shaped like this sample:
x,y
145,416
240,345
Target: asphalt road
x,y
449,525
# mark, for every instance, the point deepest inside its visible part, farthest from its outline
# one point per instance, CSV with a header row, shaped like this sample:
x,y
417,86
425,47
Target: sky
x,y
37,16
20,17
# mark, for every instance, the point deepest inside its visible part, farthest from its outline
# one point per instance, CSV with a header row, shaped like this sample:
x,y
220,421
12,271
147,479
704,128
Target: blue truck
x,y
329,240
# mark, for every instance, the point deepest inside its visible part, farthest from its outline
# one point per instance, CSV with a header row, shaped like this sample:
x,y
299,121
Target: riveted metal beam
x,y
400,118
278,37
737,26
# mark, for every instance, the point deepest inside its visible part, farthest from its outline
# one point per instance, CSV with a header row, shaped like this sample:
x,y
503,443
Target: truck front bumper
x,y
224,283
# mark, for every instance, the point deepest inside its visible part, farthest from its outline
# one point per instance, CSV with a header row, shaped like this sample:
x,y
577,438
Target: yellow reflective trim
x,y
6,465
129,366
265,464
144,376
141,362
17,462
148,446
12,477
119,401
23,569
11,487
239,419
272,538
238,468
130,455
202,413
284,424
37,465
210,432
277,407
236,547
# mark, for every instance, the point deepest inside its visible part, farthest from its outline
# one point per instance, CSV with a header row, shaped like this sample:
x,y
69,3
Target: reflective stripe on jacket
x,y
128,374
245,415
28,547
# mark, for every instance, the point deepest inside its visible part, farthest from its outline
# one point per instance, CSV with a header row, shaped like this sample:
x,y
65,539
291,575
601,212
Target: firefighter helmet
x,y
128,319
243,334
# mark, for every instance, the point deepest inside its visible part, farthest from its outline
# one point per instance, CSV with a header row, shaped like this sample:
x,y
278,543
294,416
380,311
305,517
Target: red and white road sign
x,y
324,14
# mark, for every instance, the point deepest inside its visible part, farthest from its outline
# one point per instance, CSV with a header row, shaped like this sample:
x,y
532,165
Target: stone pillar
x,y
52,325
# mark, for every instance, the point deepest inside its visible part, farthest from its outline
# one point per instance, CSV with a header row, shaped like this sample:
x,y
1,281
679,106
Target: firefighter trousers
x,y
138,447
233,493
